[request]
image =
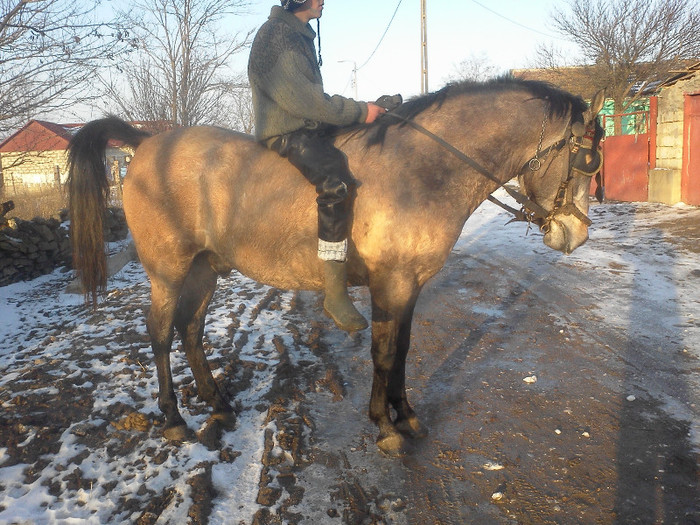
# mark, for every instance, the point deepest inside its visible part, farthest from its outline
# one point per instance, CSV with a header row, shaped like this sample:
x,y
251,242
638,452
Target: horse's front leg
x,y
384,339
406,420
391,327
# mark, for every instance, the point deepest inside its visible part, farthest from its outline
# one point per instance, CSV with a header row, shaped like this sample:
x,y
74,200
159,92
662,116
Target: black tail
x,y
88,190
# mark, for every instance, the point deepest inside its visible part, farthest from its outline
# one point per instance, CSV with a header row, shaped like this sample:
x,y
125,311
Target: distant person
x,y
295,117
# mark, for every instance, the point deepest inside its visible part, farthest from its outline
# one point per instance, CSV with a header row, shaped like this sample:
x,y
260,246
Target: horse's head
x,y
558,179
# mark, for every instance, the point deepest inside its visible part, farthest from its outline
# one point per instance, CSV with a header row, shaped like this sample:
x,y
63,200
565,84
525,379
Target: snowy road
x,y
556,390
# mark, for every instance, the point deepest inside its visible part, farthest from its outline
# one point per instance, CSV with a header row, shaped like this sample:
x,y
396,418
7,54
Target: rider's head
x,y
304,10
307,10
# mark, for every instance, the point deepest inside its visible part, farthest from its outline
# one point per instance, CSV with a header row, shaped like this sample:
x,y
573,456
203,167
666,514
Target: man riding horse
x,y
295,117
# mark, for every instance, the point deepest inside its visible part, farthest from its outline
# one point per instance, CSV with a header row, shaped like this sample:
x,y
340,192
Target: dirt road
x,y
556,390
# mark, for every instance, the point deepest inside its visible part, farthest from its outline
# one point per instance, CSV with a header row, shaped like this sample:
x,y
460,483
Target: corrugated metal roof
x,y
579,80
683,74
41,135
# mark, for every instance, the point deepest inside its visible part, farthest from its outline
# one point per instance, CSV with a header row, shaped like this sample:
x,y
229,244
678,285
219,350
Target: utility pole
x,y
354,74
424,48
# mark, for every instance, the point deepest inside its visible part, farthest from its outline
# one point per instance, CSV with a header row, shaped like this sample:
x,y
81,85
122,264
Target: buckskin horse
x,y
203,201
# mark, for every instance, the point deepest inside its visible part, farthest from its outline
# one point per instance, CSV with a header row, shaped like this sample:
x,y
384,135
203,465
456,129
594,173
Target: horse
x,y
203,201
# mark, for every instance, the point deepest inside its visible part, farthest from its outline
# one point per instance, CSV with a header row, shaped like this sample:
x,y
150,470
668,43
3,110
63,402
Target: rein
x,y
530,210
534,210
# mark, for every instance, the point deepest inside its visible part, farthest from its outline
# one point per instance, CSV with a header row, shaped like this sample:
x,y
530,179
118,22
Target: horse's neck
x,y
472,160
486,145
499,137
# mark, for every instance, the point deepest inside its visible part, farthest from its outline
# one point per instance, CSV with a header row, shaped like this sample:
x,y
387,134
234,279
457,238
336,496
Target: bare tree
x,y
548,56
49,49
474,68
181,75
633,43
239,101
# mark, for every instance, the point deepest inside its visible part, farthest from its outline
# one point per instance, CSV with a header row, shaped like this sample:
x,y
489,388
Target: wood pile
x,y
29,249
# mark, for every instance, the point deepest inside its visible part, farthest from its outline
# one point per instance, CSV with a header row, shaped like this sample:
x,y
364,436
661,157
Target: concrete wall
x,y
665,180
27,170
665,185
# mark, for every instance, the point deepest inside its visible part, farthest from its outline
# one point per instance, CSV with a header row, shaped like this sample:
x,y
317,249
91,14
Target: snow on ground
x,y
637,257
633,264
639,274
33,333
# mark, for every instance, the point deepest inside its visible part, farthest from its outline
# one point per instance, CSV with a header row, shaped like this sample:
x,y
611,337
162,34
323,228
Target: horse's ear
x,y
596,105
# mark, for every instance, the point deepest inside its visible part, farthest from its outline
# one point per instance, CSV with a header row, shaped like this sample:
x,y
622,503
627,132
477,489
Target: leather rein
x,y
580,141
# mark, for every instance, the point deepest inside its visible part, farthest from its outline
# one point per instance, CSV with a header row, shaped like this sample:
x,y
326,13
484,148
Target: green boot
x,y
337,303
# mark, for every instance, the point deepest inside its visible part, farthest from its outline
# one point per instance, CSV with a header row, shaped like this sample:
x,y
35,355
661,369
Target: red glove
x,y
373,111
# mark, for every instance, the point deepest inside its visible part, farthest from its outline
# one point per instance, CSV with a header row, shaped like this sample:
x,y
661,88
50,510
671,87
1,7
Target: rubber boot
x,y
337,303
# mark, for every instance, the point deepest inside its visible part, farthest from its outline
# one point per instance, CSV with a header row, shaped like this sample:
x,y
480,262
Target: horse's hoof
x,y
412,427
227,420
210,434
393,445
177,433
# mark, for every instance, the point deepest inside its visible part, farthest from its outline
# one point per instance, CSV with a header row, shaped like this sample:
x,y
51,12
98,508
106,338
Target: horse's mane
x,y
559,102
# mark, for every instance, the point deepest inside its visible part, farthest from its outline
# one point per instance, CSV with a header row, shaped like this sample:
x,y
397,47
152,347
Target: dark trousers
x,y
326,167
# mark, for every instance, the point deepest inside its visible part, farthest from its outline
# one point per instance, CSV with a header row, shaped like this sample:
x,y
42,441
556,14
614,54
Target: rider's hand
x,y
373,111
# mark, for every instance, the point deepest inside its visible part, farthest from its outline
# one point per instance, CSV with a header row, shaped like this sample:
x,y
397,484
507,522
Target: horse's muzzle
x,y
565,234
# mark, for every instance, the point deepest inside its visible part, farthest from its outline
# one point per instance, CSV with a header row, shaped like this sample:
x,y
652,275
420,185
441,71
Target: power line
x,y
382,38
514,22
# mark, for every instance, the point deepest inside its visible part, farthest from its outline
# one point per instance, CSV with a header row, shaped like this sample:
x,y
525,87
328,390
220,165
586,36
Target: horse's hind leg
x,y
195,296
160,328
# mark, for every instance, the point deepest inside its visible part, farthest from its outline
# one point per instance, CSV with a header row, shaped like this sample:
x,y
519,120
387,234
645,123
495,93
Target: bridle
x,y
580,139
585,160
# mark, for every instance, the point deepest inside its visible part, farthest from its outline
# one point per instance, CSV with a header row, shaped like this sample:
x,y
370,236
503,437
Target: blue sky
x,y
505,32
351,30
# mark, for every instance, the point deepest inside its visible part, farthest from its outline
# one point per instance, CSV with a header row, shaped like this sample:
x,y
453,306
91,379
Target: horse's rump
x,y
210,190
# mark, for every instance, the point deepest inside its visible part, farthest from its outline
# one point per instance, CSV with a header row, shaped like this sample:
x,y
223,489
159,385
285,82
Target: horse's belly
x,y
285,267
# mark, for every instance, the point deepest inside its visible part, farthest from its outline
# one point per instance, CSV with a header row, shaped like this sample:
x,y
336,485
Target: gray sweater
x,y
286,81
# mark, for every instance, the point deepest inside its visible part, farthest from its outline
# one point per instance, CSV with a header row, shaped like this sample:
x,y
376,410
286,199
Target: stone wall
x,y
34,170
669,132
29,249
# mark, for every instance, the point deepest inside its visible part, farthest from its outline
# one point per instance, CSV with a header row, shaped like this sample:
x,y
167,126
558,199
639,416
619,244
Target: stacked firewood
x,y
29,249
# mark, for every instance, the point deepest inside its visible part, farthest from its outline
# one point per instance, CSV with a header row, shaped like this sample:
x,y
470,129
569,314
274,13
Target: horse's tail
x,y
88,190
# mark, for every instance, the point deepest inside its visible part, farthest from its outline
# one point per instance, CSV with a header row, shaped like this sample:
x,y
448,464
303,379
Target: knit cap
x,y
289,4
